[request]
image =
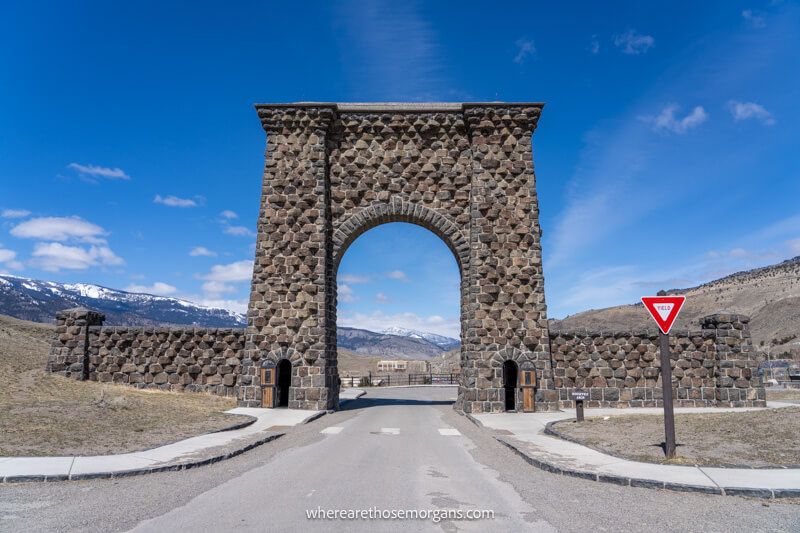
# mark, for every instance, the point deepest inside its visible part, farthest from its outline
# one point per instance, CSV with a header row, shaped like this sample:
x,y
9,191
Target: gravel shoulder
x,y
765,438
44,414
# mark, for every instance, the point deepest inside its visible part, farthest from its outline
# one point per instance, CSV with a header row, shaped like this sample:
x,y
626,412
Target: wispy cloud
x,y
378,321
174,201
96,171
381,298
14,213
238,231
54,256
750,110
229,214
159,288
397,275
354,279
201,251
237,271
634,43
753,19
59,229
390,50
525,49
345,293
667,121
594,45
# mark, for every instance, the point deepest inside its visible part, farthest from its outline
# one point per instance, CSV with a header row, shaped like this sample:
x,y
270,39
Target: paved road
x,y
393,449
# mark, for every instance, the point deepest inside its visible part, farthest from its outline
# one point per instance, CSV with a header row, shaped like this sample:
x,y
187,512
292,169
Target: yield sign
x,y
663,309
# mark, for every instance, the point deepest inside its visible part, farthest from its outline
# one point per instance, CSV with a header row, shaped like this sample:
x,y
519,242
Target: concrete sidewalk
x,y
528,439
191,452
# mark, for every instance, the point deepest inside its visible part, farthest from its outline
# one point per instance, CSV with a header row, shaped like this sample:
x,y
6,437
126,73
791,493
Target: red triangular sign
x,y
664,309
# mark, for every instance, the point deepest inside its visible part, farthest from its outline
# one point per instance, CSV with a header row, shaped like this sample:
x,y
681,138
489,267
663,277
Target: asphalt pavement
x,y
394,450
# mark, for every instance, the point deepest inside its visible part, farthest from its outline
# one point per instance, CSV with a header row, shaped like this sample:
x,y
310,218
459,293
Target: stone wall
x,y
714,365
191,359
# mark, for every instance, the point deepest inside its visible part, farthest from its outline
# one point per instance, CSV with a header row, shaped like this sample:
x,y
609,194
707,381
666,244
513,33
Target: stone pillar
x,y
736,365
506,315
69,351
292,297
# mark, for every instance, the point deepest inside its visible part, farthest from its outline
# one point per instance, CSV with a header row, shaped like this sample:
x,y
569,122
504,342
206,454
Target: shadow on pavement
x,y
366,402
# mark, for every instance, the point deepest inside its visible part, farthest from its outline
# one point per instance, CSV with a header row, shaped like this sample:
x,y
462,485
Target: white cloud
x,y
202,251
747,110
96,171
55,256
7,255
753,19
666,121
794,245
398,275
237,306
594,45
354,279
214,289
229,214
59,229
14,213
158,288
239,231
633,43
381,297
238,271
174,201
525,49
345,293
378,320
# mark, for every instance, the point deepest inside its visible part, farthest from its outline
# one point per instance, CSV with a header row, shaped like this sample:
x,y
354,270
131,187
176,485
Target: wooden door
x,y
528,404
267,396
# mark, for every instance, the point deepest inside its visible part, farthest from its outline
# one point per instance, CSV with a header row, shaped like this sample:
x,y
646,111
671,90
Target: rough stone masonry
x,y
463,171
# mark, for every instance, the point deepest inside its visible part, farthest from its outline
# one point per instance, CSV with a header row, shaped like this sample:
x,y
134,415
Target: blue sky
x,y
131,156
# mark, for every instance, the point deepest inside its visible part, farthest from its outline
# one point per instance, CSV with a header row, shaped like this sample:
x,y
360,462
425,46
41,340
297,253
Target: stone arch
x,y
397,210
333,171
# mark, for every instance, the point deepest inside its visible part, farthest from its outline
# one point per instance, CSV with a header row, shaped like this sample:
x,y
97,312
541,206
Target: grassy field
x,y
749,438
45,414
783,394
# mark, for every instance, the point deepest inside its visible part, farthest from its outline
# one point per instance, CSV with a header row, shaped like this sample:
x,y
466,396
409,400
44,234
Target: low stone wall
x,y
191,359
712,366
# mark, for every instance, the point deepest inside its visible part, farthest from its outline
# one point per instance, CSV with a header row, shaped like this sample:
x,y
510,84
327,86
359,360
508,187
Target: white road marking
x,y
333,430
390,431
449,432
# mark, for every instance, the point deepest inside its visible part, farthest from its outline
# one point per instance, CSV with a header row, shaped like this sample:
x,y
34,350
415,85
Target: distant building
x,y
401,365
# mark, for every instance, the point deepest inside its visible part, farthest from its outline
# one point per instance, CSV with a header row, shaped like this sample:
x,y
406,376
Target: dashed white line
x,y
333,430
390,431
449,432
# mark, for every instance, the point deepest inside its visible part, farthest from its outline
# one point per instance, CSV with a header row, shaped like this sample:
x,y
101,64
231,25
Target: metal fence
x,y
389,380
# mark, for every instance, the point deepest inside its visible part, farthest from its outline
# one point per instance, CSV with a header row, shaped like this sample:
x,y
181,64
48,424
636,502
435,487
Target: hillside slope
x,y
769,295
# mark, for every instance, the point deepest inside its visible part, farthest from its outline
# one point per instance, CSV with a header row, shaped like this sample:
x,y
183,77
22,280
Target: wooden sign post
x,y
664,310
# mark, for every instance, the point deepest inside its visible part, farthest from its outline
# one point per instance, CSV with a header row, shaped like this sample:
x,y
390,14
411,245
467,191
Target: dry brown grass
x,y
783,394
45,414
749,438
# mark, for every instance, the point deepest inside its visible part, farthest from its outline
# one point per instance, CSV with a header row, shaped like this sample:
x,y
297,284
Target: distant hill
x,y
385,345
769,295
39,301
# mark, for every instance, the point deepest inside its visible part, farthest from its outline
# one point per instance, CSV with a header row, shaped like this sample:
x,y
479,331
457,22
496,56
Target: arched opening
x,y
398,307
284,381
510,378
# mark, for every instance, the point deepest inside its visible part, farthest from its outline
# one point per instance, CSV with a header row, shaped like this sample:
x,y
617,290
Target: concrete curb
x,y
648,483
169,467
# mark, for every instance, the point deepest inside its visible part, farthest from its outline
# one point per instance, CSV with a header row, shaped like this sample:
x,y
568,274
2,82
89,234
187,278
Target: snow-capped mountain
x,y
446,343
39,301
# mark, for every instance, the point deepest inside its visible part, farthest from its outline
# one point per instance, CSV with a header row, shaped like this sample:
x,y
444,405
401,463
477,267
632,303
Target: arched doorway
x,y
510,384
284,382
